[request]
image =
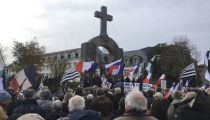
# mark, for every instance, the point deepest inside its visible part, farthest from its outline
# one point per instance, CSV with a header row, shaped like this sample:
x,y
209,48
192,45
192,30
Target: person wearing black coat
x,y
77,112
194,108
29,105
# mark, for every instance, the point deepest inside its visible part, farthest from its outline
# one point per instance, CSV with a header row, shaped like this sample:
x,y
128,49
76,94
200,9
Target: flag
x,y
162,77
188,71
170,91
133,70
70,75
149,65
2,76
207,63
81,67
115,67
24,79
146,80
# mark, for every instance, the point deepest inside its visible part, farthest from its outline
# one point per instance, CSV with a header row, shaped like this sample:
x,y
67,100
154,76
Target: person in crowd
x,y
102,104
77,112
135,106
194,107
117,96
120,111
45,101
97,80
127,79
171,109
29,105
30,116
159,107
150,99
56,111
79,92
89,101
65,101
5,99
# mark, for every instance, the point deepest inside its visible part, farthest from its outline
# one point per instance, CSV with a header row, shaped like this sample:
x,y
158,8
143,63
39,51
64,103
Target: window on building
x,y
126,61
43,59
76,55
131,61
62,57
136,60
55,57
73,55
69,55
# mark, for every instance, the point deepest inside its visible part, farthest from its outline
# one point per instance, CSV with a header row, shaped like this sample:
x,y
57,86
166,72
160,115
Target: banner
x,y
106,84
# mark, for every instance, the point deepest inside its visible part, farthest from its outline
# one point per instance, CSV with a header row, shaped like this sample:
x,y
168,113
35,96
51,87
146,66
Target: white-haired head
x,y
76,103
135,100
118,90
158,95
90,97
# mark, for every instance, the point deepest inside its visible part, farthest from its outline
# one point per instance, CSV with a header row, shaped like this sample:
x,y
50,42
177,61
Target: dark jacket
x,y
134,115
97,81
82,115
116,100
159,109
55,115
103,105
195,109
29,106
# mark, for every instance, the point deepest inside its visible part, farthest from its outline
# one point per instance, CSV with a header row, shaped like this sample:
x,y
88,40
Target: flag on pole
x,y
147,79
115,67
24,79
81,67
207,63
149,65
188,71
2,76
133,70
162,77
70,75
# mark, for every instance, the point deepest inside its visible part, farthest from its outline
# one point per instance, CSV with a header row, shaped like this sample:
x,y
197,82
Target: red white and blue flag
x,y
133,70
81,67
24,79
115,67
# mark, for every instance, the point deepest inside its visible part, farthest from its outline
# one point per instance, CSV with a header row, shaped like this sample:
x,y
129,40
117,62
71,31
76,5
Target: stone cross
x,y
104,18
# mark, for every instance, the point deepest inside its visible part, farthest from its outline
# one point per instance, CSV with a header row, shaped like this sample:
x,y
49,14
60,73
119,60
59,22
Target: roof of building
x,y
63,52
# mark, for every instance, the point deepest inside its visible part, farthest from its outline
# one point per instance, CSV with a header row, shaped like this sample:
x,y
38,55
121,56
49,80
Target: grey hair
x,y
76,103
135,100
57,105
90,97
117,90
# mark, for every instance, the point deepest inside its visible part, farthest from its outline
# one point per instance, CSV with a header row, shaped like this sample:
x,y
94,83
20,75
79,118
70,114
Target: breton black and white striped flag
x,y
188,71
207,63
70,75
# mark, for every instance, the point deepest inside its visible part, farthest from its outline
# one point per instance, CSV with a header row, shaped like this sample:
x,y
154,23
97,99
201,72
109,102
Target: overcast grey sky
x,y
65,24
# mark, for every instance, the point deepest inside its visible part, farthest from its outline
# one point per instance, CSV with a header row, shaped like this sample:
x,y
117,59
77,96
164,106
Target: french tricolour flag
x,y
81,67
162,77
147,79
115,67
134,70
24,79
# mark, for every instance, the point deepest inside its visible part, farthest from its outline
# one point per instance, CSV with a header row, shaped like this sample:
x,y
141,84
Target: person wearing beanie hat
x,y
5,99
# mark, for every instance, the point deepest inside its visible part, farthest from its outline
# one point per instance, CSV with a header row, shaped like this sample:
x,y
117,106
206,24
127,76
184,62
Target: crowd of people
x,y
98,103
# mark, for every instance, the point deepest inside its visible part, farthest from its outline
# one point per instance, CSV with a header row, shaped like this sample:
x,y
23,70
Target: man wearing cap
x,y
5,99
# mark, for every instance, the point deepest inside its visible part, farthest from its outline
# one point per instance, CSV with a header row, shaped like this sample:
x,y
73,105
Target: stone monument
x,y
88,49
